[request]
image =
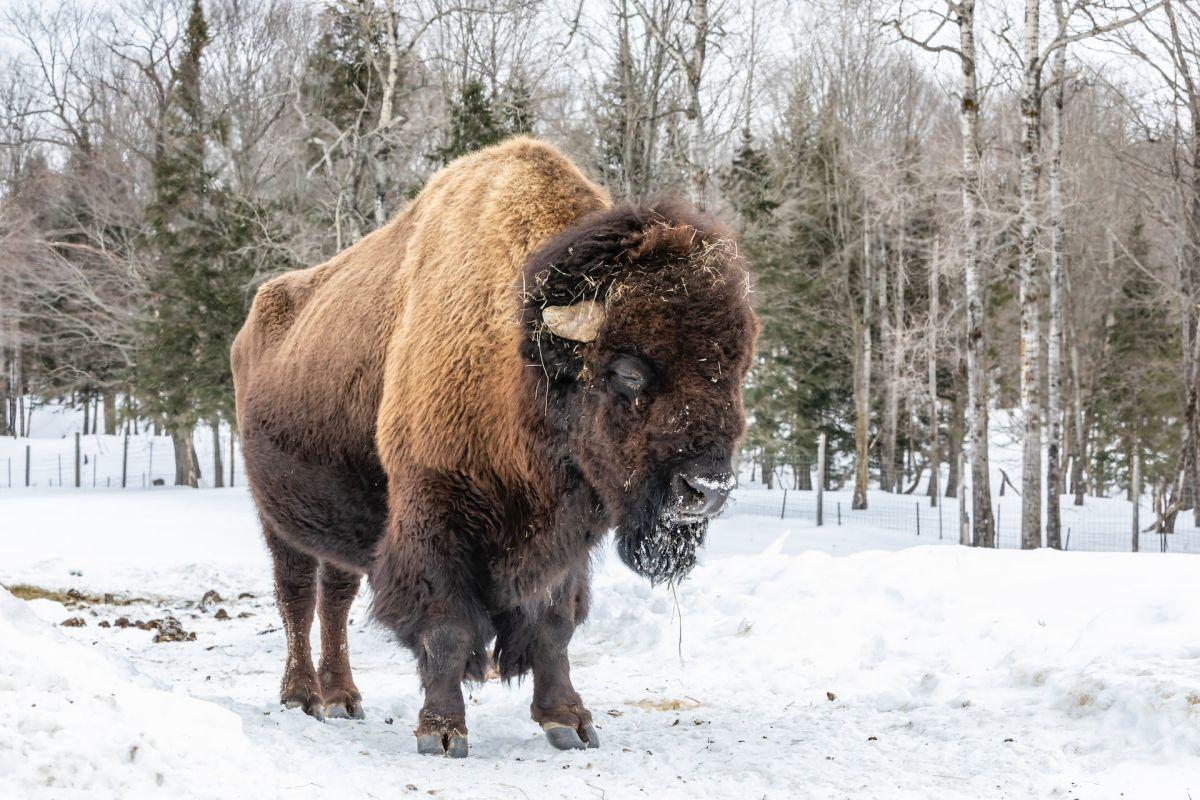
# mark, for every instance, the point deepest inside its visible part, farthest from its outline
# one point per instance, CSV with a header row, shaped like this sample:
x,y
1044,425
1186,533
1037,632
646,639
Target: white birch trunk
x,y
862,379
387,114
1030,285
1058,236
697,136
931,368
983,526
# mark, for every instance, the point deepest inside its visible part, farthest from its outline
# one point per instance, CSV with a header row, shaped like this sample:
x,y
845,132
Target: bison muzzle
x,y
460,406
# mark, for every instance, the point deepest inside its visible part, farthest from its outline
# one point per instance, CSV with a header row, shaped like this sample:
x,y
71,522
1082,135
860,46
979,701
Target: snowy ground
x,y
812,663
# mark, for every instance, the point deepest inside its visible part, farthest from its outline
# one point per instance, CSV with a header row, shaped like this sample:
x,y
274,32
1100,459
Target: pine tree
x,y
176,350
473,123
1139,382
801,382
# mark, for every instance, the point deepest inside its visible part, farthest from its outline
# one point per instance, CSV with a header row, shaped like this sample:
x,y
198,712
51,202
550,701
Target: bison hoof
x,y
310,704
453,745
349,709
564,737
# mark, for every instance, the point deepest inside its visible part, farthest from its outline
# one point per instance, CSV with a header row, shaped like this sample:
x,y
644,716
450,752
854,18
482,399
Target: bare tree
x,y
689,53
962,15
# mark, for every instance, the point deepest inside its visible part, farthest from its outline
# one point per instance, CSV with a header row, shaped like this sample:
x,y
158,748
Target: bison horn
x,y
579,322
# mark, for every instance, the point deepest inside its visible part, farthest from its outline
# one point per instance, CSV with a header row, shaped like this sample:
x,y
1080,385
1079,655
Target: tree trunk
x,y
890,465
935,456
4,394
218,468
1058,236
697,136
984,531
387,118
110,412
1030,286
187,467
862,379
954,434
87,416
803,478
1077,426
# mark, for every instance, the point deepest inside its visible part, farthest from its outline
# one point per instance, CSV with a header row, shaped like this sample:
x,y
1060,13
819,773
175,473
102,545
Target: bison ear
x,y
579,322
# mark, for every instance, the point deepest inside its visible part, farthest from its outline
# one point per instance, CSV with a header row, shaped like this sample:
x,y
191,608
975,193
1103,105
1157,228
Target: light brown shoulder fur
x,y
452,372
412,328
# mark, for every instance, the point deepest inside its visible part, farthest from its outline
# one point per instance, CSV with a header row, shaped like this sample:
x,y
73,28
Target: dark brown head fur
x,y
677,313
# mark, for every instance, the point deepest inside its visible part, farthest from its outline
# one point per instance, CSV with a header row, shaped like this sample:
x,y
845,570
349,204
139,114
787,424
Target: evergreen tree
x,y
337,76
801,383
176,360
621,133
473,123
1139,382
517,108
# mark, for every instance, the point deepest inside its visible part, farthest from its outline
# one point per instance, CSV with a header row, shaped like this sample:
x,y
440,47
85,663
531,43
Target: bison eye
x,y
629,376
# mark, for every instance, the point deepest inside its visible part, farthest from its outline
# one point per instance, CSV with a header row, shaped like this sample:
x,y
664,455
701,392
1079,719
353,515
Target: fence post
x,y
125,458
939,508
821,480
918,518
1137,495
783,508
60,470
150,467
10,473
26,466
77,459
95,461
232,438
839,505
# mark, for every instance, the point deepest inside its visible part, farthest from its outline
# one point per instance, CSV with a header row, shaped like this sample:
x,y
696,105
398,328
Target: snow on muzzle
x,y
663,548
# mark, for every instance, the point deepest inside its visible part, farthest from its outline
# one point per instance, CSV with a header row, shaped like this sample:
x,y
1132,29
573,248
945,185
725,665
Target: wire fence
x,y
146,461
113,462
1100,525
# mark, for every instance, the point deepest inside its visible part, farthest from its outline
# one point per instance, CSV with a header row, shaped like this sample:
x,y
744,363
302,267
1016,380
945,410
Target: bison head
x,y
638,333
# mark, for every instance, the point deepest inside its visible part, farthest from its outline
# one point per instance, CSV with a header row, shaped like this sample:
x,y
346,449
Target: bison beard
x,y
655,541
665,553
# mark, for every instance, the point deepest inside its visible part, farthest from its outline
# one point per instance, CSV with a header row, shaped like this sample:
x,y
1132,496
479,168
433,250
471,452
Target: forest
x,y
959,214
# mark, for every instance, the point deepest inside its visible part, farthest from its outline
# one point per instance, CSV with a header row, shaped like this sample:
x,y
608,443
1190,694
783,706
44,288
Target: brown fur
x,y
406,414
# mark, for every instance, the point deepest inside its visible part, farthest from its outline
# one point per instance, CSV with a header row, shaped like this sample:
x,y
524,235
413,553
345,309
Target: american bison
x,y
462,403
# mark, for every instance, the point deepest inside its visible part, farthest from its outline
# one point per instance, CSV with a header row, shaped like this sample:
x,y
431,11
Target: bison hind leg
x,y
339,695
296,596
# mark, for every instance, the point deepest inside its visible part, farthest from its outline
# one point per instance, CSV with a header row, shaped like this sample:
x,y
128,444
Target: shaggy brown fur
x,y
407,414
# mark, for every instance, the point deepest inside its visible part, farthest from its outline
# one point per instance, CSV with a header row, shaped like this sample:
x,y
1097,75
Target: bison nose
x,y
702,495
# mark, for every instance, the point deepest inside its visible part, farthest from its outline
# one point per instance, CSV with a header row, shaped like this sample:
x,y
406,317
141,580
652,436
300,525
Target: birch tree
x,y
962,15
1034,57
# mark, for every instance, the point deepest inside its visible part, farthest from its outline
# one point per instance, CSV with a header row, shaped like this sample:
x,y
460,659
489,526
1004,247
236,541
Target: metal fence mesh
x,y
1101,524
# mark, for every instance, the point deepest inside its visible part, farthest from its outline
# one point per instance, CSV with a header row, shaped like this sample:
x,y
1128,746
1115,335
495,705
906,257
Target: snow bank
x,y
82,722
795,662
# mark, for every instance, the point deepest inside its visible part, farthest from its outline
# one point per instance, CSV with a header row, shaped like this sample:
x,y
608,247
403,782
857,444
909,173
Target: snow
x,y
795,662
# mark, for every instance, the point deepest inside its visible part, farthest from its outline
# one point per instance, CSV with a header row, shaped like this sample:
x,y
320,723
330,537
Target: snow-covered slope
x,y
796,662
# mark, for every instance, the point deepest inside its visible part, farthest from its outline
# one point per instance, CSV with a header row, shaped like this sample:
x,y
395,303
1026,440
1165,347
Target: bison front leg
x,y
556,706
445,649
434,618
